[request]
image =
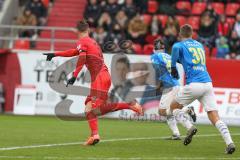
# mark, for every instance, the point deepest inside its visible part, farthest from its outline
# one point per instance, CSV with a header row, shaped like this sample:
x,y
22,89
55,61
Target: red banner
x,y
224,73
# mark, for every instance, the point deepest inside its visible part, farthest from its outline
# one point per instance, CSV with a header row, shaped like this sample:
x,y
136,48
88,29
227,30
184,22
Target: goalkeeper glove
x,y
174,72
71,81
49,56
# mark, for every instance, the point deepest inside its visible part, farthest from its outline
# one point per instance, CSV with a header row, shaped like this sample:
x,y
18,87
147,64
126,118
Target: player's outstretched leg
x,y
93,125
190,133
92,140
172,123
112,107
100,108
230,148
190,111
223,129
181,117
136,107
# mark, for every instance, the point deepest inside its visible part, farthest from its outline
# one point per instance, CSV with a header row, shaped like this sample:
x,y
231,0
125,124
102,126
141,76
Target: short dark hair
x,y
124,60
186,31
82,26
158,44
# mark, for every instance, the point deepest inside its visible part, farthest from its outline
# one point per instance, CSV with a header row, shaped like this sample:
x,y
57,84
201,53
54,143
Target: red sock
x,y
120,106
111,107
93,124
104,108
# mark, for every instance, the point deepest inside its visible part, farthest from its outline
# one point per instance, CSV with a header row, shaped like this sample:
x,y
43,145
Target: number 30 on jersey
x,y
198,55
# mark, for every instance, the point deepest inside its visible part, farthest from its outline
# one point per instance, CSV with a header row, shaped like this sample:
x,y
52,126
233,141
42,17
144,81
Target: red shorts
x,y
99,88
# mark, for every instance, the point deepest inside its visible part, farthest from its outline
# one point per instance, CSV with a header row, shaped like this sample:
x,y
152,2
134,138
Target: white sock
x,y
223,129
182,118
172,123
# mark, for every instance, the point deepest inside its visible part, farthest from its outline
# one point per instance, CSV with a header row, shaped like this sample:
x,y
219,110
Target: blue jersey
x,y
190,53
162,64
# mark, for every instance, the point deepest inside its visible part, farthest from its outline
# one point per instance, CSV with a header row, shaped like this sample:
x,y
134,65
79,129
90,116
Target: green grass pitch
x,y
120,140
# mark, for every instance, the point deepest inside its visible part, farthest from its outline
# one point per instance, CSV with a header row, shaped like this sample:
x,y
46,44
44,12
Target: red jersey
x,y
90,54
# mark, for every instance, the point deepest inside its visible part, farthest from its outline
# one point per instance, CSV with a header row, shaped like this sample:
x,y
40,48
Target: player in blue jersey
x,y
162,64
190,53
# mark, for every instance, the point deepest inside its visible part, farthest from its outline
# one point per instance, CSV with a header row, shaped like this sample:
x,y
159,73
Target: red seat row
x,y
147,49
138,49
194,21
198,7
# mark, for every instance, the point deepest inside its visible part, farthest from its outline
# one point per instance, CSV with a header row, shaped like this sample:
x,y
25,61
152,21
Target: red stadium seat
x,y
152,6
194,22
137,48
150,38
214,52
218,7
231,21
181,20
207,51
195,35
146,18
22,44
183,5
232,8
163,19
198,8
148,49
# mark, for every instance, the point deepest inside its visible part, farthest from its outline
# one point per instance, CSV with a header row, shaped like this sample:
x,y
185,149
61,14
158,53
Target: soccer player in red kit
x,y
90,54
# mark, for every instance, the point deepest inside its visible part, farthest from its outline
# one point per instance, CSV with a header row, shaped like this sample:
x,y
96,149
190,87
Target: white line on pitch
x,y
102,141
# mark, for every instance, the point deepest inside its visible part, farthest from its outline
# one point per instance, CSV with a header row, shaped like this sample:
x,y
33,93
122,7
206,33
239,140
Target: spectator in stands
x,y
172,27
207,30
27,19
222,47
170,32
39,10
234,45
137,30
211,12
223,26
111,7
102,3
155,30
100,35
236,26
167,7
116,35
129,8
122,19
141,6
92,12
106,21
